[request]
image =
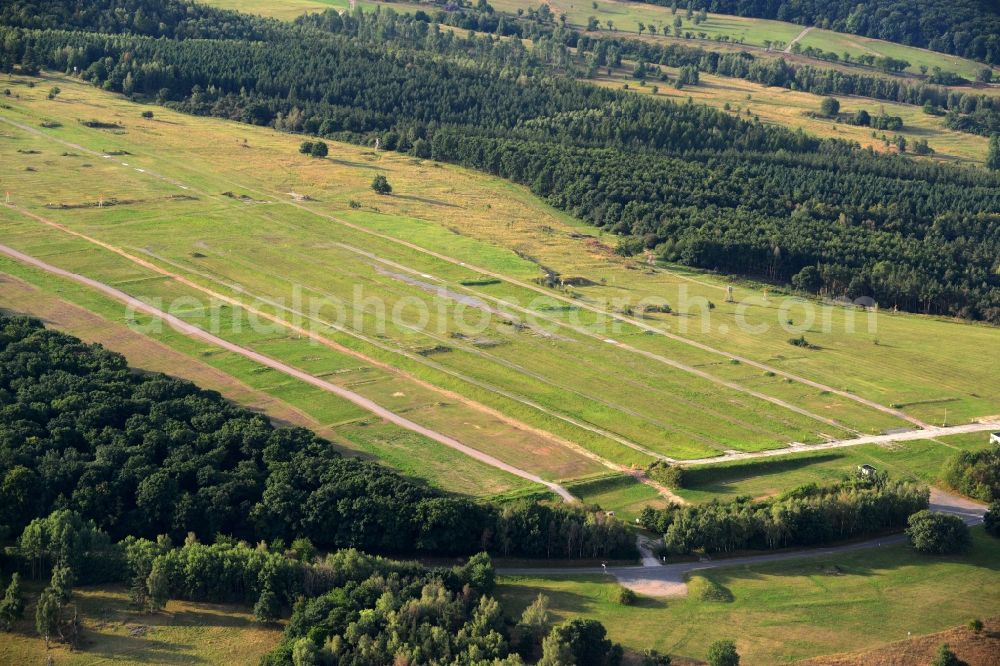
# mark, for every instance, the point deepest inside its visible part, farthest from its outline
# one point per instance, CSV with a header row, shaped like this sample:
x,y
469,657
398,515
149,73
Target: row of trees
x,y
143,454
347,607
807,516
968,108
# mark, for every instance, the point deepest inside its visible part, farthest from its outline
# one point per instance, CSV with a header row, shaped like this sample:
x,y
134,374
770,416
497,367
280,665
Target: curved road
x,y
188,329
667,580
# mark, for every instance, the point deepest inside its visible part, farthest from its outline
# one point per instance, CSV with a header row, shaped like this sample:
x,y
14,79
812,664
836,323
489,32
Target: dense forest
x,y
693,184
968,28
143,455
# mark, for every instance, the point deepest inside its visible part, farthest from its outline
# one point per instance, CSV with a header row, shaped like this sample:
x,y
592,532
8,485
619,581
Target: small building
x,y
866,470
995,437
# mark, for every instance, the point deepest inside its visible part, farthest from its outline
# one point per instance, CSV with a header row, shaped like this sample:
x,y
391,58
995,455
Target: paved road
x,y
659,580
188,329
907,436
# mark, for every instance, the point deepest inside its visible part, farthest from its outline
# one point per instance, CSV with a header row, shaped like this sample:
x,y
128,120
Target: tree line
x,y
966,108
146,454
346,607
807,516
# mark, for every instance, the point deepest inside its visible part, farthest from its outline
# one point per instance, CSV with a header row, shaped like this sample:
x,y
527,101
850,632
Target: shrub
x,y
938,533
654,658
712,591
723,653
802,342
381,185
147,114
319,149
945,657
626,597
669,475
829,107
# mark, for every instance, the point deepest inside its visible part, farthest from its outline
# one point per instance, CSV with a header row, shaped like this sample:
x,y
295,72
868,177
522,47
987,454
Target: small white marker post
x,y
7,198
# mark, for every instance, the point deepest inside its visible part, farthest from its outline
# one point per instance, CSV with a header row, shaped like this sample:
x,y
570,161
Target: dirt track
x,y
788,49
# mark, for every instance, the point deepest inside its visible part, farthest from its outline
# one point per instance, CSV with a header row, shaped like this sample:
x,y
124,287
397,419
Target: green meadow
x,y
787,611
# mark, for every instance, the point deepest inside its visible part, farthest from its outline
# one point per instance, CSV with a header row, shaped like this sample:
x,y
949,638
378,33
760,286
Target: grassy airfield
x,y
263,226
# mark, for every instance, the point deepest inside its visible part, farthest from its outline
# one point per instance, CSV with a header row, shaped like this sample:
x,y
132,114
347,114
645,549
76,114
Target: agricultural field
x,y
857,45
114,633
626,16
466,249
784,612
290,9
